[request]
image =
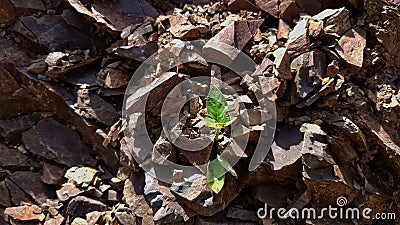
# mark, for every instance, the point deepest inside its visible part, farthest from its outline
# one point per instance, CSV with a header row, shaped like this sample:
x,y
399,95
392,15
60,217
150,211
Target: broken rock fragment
x,y
336,21
30,182
92,106
271,7
25,213
237,5
37,68
236,35
299,41
52,32
4,195
47,139
7,13
57,220
351,46
310,69
80,206
181,27
11,157
82,176
314,149
116,79
286,148
117,15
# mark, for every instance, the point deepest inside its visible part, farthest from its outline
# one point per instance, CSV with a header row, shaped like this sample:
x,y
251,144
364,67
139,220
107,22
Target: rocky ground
x,y
332,67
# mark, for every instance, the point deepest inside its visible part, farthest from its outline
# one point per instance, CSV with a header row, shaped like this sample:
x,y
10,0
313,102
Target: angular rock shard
x,y
351,46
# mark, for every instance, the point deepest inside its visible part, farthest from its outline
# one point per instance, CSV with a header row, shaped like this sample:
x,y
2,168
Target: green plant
x,y
216,109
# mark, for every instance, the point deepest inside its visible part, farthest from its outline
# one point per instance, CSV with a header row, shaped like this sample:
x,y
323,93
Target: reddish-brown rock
x,y
351,46
7,13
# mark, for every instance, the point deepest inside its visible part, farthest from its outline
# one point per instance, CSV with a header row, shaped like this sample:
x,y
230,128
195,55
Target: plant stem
x,y
216,135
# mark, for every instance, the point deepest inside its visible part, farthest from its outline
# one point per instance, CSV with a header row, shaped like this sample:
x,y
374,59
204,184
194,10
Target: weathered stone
x,y
200,157
28,6
314,149
30,182
336,21
52,174
54,58
4,195
79,221
25,213
385,33
37,68
11,158
80,206
93,217
237,5
68,191
52,32
69,68
197,196
93,107
11,130
283,30
57,220
271,7
282,63
117,15
125,219
182,28
137,53
47,139
333,69
236,35
274,195
82,176
288,10
286,148
387,137
165,151
310,69
133,195
299,41
7,12
242,214
16,194
116,79
7,82
155,91
351,46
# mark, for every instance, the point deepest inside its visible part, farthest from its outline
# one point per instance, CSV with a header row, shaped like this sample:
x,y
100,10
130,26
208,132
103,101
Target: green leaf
x,y
213,170
226,165
210,122
216,105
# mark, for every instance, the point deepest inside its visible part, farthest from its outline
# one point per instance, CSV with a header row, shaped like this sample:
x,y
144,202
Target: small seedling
x,y
216,109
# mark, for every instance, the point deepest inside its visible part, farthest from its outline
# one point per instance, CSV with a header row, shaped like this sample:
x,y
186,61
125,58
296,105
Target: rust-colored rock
x,y
25,213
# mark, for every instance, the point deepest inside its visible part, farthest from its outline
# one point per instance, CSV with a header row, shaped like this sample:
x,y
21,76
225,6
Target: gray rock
x,y
92,106
80,206
48,139
30,183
